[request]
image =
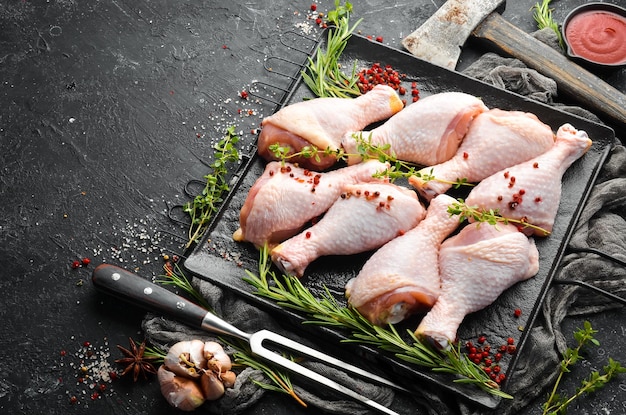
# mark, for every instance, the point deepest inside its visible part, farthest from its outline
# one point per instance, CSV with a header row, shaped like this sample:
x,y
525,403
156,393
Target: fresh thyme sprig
x,y
366,150
204,205
557,404
289,292
543,16
323,74
490,216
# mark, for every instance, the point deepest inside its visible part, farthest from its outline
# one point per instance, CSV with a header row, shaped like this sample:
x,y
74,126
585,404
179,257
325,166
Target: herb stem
x,y
204,205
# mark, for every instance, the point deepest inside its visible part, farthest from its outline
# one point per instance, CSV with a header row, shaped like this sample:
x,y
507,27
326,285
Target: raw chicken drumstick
x,y
427,132
402,277
286,197
531,191
322,122
364,217
477,265
496,140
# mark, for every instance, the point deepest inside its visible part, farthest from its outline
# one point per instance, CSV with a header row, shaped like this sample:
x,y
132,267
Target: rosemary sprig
x,y
323,74
557,404
153,352
281,382
490,216
176,277
289,292
204,205
543,16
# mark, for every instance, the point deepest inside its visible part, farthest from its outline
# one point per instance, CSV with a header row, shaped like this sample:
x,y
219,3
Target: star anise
x,y
135,361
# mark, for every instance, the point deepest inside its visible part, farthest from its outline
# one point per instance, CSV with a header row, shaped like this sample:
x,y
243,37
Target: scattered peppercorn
x,y
313,7
517,312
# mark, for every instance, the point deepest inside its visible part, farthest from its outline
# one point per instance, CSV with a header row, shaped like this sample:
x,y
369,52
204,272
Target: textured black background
x,y
108,109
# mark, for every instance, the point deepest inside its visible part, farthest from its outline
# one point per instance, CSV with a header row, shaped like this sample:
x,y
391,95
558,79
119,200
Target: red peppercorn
x,y
75,264
318,21
95,396
517,312
244,94
73,399
510,340
86,343
86,261
496,369
511,349
313,7
379,39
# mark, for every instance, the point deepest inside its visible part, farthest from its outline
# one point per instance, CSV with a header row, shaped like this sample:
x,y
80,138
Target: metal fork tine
x,y
330,360
256,345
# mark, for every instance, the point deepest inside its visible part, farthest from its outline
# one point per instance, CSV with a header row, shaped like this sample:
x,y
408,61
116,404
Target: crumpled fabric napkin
x,y
602,226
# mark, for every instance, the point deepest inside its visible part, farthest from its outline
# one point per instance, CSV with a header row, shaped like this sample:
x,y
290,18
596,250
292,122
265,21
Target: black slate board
x,y
221,260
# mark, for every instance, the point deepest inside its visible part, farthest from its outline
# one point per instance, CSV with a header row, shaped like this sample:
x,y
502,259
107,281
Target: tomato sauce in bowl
x,y
596,32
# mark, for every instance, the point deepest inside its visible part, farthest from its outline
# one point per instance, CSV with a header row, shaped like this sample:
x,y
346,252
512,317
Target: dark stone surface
x,y
108,109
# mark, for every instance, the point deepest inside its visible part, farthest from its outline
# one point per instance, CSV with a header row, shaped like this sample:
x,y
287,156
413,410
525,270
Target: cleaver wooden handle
x,y
572,80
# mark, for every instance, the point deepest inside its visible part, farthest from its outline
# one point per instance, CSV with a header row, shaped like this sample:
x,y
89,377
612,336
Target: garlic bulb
x,y
186,358
194,372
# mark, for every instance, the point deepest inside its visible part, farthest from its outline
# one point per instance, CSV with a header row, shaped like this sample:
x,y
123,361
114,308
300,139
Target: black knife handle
x,y
137,290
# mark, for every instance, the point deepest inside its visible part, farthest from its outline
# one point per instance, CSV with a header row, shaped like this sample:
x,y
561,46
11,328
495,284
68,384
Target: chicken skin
x,y
402,277
427,132
531,191
496,139
364,217
322,122
286,197
477,265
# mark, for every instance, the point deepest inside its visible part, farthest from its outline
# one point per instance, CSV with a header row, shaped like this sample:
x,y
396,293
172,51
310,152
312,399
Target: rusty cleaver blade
x,y
440,38
128,286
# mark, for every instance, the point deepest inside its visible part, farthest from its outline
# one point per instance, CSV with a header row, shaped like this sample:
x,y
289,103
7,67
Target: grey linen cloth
x,y
602,226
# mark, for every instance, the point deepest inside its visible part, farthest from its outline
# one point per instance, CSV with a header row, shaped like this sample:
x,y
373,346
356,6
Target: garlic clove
x,y
217,359
228,378
180,392
186,358
212,387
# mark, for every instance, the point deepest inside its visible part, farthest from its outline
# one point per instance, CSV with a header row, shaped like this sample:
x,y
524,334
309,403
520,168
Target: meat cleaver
x,y
136,290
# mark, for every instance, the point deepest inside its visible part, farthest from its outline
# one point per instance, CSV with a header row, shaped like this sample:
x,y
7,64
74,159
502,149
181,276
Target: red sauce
x,y
598,36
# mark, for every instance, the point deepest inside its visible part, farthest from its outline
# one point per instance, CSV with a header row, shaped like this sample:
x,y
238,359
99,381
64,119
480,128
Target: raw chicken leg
x,y
402,277
496,139
477,265
427,132
531,191
364,217
322,122
286,197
